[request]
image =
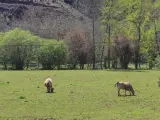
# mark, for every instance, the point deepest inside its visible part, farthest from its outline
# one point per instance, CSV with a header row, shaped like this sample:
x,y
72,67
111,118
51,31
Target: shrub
x,y
124,50
80,47
22,97
157,62
60,54
4,59
52,54
18,48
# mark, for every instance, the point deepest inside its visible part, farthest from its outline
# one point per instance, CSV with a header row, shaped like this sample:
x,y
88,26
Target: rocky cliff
x,y
47,18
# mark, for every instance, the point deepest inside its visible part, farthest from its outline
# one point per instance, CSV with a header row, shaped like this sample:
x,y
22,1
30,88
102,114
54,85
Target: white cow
x,y
48,84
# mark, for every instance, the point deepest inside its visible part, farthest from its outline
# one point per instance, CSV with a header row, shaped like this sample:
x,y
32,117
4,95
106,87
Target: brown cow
x,y
125,86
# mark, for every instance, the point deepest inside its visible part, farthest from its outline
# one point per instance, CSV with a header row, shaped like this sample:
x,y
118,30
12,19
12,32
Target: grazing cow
x,y
48,84
125,86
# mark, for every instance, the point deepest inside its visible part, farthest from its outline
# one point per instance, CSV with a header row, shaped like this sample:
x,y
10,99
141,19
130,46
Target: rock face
x,y
49,19
84,6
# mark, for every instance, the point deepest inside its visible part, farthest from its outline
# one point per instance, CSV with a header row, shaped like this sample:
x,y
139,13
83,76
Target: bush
x,y
157,62
60,54
18,48
123,51
4,59
52,54
22,97
80,48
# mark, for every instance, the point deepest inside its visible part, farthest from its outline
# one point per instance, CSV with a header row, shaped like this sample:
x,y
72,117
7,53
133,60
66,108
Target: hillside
x,y
47,19
84,6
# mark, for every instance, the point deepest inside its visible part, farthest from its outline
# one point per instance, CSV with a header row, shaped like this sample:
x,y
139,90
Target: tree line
x,y
20,49
136,23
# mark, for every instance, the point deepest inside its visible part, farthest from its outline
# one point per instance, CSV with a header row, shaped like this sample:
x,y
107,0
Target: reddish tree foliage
x,y
80,47
124,49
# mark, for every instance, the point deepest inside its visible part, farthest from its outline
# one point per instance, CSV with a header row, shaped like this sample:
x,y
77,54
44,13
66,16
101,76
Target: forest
x,y
130,36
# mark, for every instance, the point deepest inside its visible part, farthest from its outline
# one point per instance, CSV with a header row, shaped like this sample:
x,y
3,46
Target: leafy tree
x,y
20,48
52,54
94,10
155,18
111,14
136,19
124,50
139,16
80,48
3,53
148,47
157,62
61,54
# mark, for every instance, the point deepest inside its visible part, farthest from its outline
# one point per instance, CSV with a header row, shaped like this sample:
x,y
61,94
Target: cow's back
x,y
48,82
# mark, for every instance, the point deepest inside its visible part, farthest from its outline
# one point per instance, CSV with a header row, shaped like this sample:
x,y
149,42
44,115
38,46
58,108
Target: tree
x,y
124,50
20,48
3,54
110,16
52,54
80,48
138,10
61,53
134,19
155,17
93,11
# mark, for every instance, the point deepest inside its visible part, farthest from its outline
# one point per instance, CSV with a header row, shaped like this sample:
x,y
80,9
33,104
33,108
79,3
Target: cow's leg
x,y
51,90
118,92
48,89
130,93
125,92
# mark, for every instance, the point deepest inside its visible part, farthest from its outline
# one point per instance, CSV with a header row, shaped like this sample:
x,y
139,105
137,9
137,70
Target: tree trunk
x,y
138,47
93,27
156,37
102,55
19,66
19,62
5,65
59,66
109,42
105,62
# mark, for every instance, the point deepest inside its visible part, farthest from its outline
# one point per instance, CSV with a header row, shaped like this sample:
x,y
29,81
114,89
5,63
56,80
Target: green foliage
x,y
52,54
156,4
157,62
19,48
148,47
139,20
22,97
4,59
148,41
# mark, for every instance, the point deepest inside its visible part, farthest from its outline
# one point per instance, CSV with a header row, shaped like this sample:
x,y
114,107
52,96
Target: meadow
x,y
78,95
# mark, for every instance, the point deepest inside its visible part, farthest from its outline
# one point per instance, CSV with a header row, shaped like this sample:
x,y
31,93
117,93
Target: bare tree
x,y
94,14
79,44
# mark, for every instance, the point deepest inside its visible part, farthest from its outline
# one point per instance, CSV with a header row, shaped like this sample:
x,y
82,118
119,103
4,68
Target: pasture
x,y
79,95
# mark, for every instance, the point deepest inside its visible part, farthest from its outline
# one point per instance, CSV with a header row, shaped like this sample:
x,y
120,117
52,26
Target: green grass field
x,y
79,95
